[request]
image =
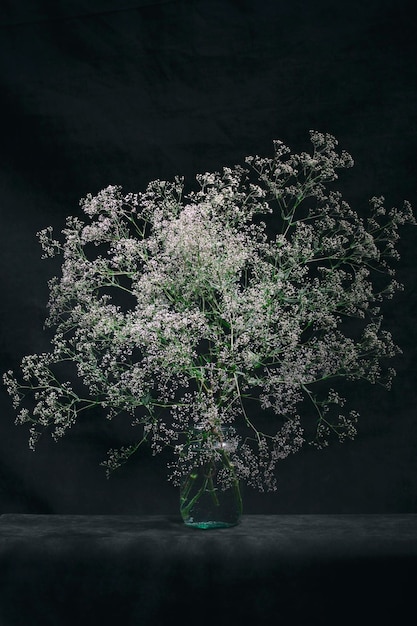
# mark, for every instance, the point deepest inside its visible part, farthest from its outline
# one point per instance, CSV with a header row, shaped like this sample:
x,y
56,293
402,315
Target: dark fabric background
x,y
99,92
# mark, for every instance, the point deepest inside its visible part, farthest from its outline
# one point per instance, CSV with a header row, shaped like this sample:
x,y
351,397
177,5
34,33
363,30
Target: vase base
x,y
209,524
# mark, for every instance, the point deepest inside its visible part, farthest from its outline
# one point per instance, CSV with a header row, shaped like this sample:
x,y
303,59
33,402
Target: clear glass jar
x,y
206,499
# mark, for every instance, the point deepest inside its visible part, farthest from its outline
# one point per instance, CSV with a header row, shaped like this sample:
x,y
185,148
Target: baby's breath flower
x,y
186,312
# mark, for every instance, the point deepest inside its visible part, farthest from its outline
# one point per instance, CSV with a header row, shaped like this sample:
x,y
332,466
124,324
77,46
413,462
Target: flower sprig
x,y
185,310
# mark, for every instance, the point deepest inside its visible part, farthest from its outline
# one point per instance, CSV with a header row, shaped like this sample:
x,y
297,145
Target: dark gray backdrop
x,y
121,92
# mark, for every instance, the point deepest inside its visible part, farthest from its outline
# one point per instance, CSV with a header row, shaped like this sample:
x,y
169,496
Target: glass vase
x,y
206,499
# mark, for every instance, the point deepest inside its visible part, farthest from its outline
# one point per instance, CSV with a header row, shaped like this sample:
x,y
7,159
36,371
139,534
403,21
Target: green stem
x,y
208,486
186,508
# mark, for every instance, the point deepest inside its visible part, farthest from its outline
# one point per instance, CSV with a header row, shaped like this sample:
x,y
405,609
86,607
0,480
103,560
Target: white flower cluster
x,y
187,312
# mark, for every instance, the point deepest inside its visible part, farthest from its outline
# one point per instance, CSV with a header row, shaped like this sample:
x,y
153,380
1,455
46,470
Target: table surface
x,y
94,569
394,529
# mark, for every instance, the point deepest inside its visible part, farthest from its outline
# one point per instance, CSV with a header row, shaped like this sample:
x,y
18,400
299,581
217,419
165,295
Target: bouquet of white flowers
x,y
226,324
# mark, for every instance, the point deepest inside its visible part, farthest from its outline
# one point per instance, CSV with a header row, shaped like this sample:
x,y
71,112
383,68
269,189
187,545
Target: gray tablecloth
x,y
133,571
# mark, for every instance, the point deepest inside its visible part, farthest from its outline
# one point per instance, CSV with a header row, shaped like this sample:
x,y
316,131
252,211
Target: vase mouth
x,y
222,438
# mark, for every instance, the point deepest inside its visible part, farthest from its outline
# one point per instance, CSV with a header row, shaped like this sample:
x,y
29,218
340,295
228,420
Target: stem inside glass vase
x,y
207,500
